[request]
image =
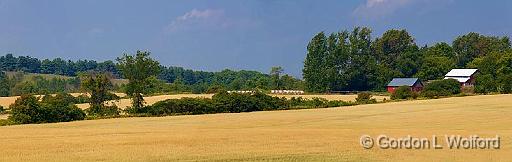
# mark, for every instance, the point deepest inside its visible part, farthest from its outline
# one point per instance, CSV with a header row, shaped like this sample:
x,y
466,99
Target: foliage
x,y
473,45
435,67
4,85
83,98
65,97
314,63
275,74
496,72
27,109
2,110
56,66
189,80
485,84
365,97
352,61
103,111
403,92
439,88
21,84
138,69
215,89
224,102
4,122
98,86
505,83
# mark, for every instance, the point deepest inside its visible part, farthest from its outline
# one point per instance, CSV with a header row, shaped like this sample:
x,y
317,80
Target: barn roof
x,y
396,82
460,79
461,72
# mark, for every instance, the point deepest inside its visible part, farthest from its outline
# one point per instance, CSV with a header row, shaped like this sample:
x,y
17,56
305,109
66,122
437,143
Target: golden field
x,y
330,134
123,103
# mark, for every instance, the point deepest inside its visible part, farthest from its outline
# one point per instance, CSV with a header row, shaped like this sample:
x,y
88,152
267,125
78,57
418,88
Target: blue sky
x,y
235,34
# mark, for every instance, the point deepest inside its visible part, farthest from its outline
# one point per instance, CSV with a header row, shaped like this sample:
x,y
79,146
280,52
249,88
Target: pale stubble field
x,y
330,134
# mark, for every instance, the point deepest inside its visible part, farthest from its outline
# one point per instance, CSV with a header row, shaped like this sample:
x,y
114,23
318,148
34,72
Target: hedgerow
x,y
233,103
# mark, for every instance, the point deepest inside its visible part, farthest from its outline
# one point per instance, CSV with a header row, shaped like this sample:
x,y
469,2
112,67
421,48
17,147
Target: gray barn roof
x,y
396,82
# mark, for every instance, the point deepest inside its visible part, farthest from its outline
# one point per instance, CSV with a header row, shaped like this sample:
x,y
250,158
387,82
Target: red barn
x,y
414,83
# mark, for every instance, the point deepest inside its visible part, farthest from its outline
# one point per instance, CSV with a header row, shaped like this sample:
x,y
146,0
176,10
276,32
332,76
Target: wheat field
x,y
330,134
123,103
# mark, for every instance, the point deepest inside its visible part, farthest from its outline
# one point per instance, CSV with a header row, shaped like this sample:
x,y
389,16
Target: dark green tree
x,y
473,45
137,69
98,86
275,74
313,72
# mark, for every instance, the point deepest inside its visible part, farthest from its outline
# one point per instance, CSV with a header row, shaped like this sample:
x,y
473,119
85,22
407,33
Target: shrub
x,y
111,96
438,88
505,83
232,103
2,110
64,97
468,90
4,122
179,106
27,109
485,84
103,111
402,92
215,89
365,97
83,98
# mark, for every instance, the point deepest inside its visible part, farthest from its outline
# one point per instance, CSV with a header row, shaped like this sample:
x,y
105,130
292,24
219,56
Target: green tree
x,y
97,85
473,45
435,67
137,69
362,70
505,83
313,72
485,83
5,87
396,54
441,50
275,74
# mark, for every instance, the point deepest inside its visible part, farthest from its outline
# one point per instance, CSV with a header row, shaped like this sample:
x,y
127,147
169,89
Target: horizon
x,y
237,35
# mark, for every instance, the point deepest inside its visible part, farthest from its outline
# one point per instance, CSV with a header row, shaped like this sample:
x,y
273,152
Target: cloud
x,y
196,18
380,8
95,31
375,9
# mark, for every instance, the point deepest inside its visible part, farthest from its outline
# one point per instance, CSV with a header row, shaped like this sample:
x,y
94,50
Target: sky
x,y
228,34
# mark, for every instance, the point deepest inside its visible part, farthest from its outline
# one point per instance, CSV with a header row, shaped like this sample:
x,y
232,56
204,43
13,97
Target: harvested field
x,y
123,103
330,134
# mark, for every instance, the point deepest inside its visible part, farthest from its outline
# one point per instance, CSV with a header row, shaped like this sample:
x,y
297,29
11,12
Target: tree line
x,y
139,69
354,61
168,79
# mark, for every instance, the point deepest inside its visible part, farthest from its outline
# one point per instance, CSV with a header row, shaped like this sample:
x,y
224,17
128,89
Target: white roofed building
x,y
466,77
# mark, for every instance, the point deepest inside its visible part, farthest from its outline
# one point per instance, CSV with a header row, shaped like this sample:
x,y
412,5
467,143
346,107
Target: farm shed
x,y
466,77
414,83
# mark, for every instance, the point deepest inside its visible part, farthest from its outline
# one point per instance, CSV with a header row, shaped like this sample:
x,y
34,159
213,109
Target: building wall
x,y
415,88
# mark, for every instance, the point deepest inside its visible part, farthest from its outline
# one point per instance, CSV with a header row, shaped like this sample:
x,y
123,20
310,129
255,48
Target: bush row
x,y
434,89
62,108
224,102
28,109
